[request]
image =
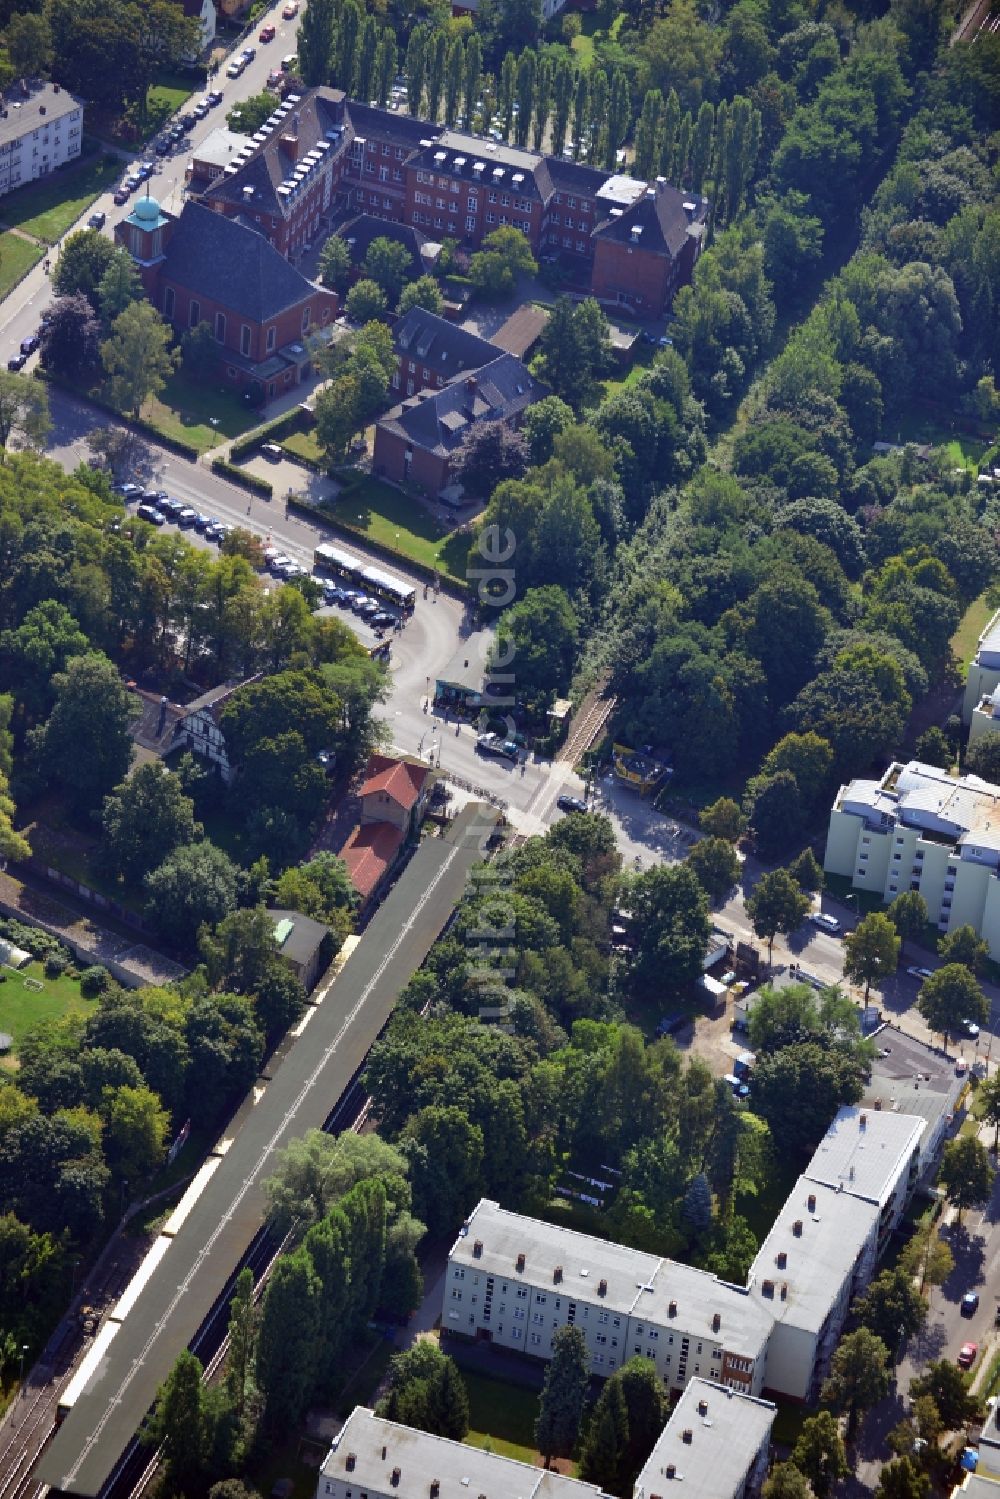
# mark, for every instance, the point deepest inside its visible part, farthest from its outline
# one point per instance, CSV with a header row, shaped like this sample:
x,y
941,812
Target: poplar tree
x,y
348,38
386,62
543,100
581,111
454,79
701,145
525,88
435,74
563,85
505,94
619,115
671,129
365,85
473,78
416,68
316,42
649,135
597,123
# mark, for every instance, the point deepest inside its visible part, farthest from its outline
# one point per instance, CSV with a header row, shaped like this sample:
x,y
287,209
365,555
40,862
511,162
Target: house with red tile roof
x,y
393,794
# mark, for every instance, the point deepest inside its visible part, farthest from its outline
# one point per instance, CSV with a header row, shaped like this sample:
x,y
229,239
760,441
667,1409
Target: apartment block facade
x,y
920,829
320,153
40,129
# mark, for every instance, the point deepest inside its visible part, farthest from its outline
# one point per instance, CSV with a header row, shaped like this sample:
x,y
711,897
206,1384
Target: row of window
x,y
246,332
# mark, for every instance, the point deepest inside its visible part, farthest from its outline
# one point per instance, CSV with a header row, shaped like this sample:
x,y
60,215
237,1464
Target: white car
x,y
920,973
824,922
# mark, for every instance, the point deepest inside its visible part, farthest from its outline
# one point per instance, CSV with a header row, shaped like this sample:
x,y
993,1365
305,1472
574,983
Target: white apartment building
x,y
920,829
40,129
985,718
984,672
716,1443
515,1281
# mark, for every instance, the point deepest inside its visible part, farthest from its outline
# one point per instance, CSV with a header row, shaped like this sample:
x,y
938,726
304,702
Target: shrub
x,y
55,965
94,981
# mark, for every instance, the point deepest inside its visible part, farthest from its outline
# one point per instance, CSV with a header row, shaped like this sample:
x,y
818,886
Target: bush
x,y
55,965
244,480
33,939
95,981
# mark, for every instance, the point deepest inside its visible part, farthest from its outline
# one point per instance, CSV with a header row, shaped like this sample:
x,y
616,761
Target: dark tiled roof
x,y
522,330
317,117
303,936
216,258
461,153
363,229
439,420
386,125
443,346
660,217
570,177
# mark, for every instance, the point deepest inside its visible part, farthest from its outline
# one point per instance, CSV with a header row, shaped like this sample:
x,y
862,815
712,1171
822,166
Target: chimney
x,y
384,1451
395,1478
687,1435
602,1288
352,1461
703,1407
435,1488
781,1260
672,1309
811,1202
477,1250
289,144
863,1121
557,1274
41,109
520,1263
470,382
671,1471
784,1290
716,1321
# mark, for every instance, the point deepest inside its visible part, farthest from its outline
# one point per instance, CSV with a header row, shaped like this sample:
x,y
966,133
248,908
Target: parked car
x,y
249,53
671,1024
29,344
271,451
97,220
919,973
824,922
150,513
17,362
970,1303
171,508
290,11
289,63
144,170
332,594
360,601
967,1355
127,491
277,563
267,33
214,531
202,521
236,67
154,496
121,196
567,803
201,109
187,516
164,147
493,744
383,619
214,96
968,1028
274,77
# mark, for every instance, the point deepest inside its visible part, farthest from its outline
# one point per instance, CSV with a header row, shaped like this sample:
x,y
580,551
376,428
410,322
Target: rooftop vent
x,y
520,1262
384,1451
41,109
459,163
557,1274
602,1288
687,1435
517,178
636,231
797,1228
352,1461
479,166
440,157
248,192
497,173
863,1121
811,1202
477,1249
426,143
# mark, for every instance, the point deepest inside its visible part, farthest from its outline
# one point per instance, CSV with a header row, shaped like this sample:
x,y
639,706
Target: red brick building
x,y
201,267
431,351
321,154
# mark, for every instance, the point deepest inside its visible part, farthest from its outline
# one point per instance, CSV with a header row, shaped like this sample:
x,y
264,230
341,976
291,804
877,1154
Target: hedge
x,y
272,431
134,423
242,478
458,587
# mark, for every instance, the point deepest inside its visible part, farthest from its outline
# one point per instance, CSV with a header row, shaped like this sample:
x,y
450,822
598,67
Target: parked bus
x,y
374,580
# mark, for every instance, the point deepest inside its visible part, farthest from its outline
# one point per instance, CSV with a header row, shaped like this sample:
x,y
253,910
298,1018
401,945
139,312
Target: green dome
x,y
146,209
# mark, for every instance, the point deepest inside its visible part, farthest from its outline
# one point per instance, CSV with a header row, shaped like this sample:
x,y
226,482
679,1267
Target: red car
x,y
267,34
967,1355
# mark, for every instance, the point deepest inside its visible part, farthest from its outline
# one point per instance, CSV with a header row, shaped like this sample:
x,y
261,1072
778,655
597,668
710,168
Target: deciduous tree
x,y
859,1376
776,904
819,1453
138,357
871,951
715,862
966,1173
24,411
85,745
144,820
949,997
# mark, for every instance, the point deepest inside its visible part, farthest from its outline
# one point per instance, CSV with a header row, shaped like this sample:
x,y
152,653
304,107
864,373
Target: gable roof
x,y
298,937
369,853
221,260
400,779
521,332
657,222
438,420
360,231
443,346
312,122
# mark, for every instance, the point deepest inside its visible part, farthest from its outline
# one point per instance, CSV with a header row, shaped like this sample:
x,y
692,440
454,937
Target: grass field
x,y
47,209
23,1007
974,621
387,516
963,451
203,415
165,98
17,256
303,445
501,1416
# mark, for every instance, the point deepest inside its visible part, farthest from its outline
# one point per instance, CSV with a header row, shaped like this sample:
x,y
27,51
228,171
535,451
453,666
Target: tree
x,y
988,1105
287,1342
200,351
138,357
335,263
445,1151
71,338
24,411
490,453
85,746
47,638
179,1424
118,288
809,758
892,1308
672,926
574,350
871,951
604,1445
505,255
546,420
696,1210
949,997
83,259
983,758
908,914
426,1390
798,1089
29,45
807,872
244,1324
776,904
902,1479
314,43
935,748
195,884
423,292
926,1258
144,820
365,301
560,1408
723,819
965,946
785,1482
715,862
966,1173
819,1453
315,1172
540,633
859,1376
135,1131
388,263
948,1387
775,813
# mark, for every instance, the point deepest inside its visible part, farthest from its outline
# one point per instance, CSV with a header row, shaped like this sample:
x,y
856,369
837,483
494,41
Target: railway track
x,y
587,726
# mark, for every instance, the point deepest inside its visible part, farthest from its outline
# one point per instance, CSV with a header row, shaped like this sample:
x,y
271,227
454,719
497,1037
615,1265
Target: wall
x,y
644,277
389,459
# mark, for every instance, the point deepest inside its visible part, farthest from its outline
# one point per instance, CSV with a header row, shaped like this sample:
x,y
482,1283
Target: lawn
x,y
202,415
166,97
17,256
963,451
388,516
23,1006
966,637
303,445
47,209
501,1416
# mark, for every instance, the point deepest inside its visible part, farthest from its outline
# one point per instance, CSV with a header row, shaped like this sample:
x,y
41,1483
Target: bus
x,y
360,574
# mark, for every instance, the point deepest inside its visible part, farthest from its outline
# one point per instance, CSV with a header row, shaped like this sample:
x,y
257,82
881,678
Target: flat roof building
x,y
716,1443
983,676
41,128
